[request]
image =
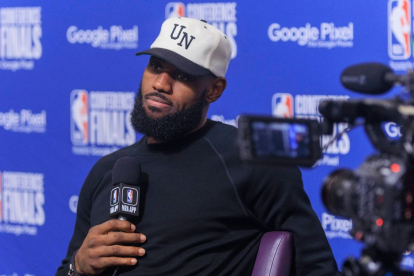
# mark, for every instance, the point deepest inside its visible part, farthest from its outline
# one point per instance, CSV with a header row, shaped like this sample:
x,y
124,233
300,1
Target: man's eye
x,y
155,66
184,77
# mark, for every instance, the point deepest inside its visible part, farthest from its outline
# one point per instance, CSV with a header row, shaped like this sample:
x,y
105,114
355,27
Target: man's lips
x,y
157,100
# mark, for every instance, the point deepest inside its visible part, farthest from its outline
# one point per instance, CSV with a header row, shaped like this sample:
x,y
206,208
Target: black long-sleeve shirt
x,y
204,210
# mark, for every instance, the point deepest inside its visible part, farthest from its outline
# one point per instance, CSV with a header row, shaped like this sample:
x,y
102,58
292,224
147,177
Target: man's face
x,y
170,103
167,90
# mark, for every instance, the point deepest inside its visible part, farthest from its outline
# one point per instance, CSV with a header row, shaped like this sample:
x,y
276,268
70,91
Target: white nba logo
x,y
79,117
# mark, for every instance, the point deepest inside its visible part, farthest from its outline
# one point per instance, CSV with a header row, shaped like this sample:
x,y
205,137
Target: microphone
x,y
369,78
125,194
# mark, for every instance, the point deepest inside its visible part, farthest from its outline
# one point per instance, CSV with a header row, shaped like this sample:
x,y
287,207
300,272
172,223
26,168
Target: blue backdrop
x,y
69,74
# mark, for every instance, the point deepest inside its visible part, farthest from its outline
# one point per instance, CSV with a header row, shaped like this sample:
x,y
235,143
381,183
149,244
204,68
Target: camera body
x,y
378,197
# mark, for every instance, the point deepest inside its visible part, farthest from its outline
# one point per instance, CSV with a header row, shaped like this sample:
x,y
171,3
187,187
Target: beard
x,y
168,127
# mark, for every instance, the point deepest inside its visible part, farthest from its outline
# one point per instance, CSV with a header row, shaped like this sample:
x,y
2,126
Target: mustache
x,y
159,95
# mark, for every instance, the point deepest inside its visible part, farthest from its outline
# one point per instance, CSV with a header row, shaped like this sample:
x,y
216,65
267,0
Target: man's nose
x,y
163,83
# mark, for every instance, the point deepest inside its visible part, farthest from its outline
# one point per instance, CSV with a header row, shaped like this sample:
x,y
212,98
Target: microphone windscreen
x,y
367,78
126,170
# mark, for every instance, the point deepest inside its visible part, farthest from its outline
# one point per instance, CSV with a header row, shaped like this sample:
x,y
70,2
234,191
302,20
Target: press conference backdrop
x,y
69,75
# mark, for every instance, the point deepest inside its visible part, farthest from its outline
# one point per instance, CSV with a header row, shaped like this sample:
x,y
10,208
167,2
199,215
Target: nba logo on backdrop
x,y
79,117
174,9
400,32
282,105
399,29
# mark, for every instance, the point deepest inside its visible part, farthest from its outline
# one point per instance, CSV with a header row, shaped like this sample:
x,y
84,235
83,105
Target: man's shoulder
x,y
221,131
222,138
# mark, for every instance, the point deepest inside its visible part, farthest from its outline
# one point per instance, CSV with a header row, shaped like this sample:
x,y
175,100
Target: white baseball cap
x,y
193,46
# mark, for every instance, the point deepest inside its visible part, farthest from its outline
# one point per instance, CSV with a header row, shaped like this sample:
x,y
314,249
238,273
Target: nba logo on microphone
x,y
174,9
130,196
79,125
399,29
115,196
282,105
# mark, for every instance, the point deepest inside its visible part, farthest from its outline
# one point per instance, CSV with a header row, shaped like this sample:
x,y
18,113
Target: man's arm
x,y
98,247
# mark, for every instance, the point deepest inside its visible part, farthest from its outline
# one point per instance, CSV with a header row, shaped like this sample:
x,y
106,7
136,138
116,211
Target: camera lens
x,y
338,192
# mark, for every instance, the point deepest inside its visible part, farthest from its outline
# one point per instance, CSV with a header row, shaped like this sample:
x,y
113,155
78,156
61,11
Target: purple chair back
x,y
275,255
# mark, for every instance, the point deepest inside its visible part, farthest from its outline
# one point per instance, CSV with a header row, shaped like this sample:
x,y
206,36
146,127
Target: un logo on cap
x,y
184,36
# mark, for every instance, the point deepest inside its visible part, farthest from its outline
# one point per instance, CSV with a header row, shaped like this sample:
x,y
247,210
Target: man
x,y
205,211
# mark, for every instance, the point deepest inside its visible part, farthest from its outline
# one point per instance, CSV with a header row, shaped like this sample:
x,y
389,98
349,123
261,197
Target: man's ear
x,y
217,88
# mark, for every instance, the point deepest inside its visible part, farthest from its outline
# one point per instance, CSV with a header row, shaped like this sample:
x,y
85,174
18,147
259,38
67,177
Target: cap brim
x,y
177,60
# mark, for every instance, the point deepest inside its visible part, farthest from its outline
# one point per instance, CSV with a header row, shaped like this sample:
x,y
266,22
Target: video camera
x,y
379,195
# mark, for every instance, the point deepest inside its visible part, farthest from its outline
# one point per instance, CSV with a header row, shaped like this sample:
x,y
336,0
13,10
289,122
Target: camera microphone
x,y
369,78
125,194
